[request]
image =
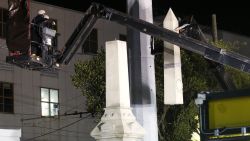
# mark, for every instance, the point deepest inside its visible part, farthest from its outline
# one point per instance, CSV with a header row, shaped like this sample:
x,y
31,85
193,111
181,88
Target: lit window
x,y
90,46
6,97
49,102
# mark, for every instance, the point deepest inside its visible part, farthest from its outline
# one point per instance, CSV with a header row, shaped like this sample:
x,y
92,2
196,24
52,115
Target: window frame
x,y
7,97
86,49
49,102
123,37
3,22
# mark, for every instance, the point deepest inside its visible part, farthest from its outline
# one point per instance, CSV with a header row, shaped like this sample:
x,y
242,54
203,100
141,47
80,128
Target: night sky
x,y
233,16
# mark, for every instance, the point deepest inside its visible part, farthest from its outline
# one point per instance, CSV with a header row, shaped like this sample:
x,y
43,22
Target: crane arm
x,y
98,11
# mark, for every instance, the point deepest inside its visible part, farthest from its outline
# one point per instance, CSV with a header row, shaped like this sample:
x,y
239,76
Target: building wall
x,y
27,84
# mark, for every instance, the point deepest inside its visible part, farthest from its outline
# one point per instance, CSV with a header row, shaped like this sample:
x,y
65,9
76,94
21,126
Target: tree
x,y
89,78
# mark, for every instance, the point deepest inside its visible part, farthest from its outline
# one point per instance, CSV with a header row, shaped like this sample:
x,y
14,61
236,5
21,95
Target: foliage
x,y
226,45
89,77
240,79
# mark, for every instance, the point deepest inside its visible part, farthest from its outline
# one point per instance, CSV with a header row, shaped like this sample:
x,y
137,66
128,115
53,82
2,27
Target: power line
x,y
66,114
61,134
61,104
68,131
57,129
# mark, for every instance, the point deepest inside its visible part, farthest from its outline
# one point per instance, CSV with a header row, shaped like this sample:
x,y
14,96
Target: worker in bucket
x,y
36,32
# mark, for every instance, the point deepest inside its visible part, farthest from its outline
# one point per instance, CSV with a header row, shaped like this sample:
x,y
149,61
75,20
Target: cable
x,y
30,139
68,131
70,114
61,105
58,134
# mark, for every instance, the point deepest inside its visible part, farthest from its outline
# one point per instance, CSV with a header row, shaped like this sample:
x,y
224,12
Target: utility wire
x,y
61,134
61,105
31,139
68,131
66,114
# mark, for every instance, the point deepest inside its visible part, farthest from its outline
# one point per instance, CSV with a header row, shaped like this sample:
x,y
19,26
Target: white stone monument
x,y
142,70
118,122
173,92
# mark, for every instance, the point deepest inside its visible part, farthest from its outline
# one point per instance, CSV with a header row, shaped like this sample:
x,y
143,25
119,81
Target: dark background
x,y
232,15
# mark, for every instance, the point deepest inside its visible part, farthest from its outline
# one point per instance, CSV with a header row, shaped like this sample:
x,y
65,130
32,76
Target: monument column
x,y
142,70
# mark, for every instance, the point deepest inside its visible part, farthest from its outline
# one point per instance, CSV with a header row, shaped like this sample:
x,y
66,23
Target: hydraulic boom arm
x,y
97,11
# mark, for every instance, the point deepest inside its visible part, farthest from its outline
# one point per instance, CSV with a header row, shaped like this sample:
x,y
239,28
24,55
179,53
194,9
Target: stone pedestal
x,y
118,122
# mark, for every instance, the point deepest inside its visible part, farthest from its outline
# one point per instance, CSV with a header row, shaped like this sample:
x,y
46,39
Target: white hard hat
x,y
46,16
41,12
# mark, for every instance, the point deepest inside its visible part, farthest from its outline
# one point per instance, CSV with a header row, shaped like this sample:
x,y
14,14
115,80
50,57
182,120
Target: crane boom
x,y
98,11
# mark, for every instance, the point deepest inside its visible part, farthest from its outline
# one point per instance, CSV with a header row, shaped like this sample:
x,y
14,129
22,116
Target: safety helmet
x,y
46,17
41,12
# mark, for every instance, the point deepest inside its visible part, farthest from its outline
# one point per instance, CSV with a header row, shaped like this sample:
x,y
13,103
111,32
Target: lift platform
x,y
31,62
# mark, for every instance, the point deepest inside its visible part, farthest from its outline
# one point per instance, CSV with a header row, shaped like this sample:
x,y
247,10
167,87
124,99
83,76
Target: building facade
x,y
36,102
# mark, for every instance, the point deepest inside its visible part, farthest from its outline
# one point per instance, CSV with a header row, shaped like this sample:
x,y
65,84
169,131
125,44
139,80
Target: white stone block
x,y
173,89
117,85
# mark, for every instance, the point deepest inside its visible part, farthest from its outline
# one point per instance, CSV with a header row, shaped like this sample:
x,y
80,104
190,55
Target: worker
x,y
36,35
